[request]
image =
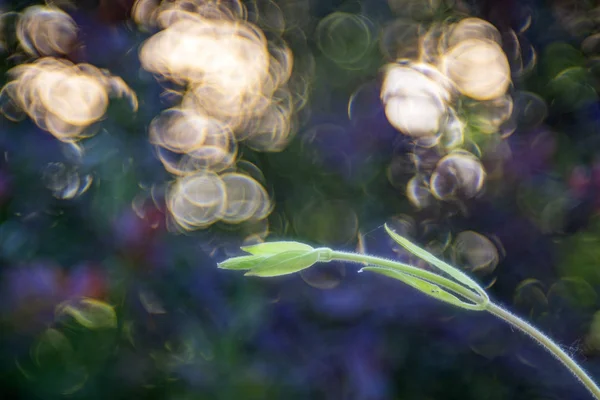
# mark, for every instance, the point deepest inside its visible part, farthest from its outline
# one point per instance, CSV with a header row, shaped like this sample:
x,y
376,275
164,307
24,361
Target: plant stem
x,y
548,344
446,283
481,302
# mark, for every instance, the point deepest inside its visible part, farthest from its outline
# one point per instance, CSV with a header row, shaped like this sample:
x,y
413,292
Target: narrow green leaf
x,y
285,263
272,248
430,258
426,287
243,262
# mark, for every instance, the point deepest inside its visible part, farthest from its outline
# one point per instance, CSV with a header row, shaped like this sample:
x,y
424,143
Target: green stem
x,y
548,344
481,299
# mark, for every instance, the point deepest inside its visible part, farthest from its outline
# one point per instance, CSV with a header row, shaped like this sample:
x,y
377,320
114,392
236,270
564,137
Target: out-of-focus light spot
x,y
61,93
60,97
252,231
530,297
73,151
331,223
591,44
479,68
46,31
65,182
181,131
50,344
458,174
250,169
571,292
364,103
576,17
204,198
198,141
415,99
497,154
271,132
453,132
415,80
400,169
415,9
150,13
475,252
530,109
418,193
572,88
230,57
521,54
560,56
433,43
415,116
233,75
217,151
473,28
267,14
400,39
545,202
425,159
344,38
488,116
197,201
53,355
234,88
246,199
524,19
325,277
488,341
432,228
473,148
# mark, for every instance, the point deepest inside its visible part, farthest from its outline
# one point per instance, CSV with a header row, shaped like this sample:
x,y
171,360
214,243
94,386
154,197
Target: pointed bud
x,y
272,248
285,263
243,262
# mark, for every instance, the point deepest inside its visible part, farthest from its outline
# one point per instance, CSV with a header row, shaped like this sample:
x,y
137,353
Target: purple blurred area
x,y
109,286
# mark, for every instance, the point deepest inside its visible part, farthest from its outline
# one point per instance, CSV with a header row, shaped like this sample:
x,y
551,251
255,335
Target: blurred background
x,y
144,141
